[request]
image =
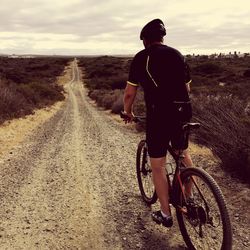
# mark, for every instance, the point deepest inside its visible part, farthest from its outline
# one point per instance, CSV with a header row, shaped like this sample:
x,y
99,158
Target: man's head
x,y
152,32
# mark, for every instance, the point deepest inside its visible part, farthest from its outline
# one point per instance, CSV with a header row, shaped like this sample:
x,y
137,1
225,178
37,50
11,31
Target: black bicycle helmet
x,y
153,29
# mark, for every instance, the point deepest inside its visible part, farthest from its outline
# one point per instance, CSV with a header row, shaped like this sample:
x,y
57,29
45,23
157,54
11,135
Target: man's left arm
x,y
188,86
188,79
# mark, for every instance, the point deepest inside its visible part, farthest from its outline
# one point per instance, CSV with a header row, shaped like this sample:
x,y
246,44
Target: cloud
x,y
113,26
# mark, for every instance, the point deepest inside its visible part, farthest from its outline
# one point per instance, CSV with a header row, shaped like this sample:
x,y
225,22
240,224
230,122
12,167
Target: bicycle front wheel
x,y
201,213
144,174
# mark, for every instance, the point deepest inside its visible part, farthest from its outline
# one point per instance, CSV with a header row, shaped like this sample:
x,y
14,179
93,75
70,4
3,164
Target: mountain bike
x,y
200,206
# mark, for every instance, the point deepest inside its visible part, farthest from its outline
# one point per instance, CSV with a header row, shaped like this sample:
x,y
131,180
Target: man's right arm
x,y
129,97
131,88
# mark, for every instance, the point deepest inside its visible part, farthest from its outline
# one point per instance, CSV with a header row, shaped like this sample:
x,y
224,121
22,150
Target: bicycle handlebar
x,y
186,126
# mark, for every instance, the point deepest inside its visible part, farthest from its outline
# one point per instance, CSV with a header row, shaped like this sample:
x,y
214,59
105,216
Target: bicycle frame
x,y
178,157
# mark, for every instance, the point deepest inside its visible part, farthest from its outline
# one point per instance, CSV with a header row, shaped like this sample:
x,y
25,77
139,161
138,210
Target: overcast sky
x,y
113,26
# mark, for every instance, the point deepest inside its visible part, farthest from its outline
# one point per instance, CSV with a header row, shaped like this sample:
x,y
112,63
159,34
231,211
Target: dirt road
x,y
72,185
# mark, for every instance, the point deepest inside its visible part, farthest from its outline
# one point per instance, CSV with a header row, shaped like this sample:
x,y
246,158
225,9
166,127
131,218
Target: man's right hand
x,y
127,117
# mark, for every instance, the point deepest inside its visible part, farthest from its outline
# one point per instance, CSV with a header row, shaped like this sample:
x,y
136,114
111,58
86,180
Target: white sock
x,y
165,215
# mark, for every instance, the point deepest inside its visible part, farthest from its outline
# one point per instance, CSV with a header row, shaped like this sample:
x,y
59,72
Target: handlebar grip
x,y
135,119
123,115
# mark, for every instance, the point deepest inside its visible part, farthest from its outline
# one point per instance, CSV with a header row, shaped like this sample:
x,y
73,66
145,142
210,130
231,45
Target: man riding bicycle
x,y
164,76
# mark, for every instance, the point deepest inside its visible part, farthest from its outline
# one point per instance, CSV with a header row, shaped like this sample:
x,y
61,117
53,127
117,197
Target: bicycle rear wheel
x,y
203,217
144,174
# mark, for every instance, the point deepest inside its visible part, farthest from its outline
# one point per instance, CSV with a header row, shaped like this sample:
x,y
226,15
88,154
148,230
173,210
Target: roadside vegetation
x,y
105,78
29,83
220,96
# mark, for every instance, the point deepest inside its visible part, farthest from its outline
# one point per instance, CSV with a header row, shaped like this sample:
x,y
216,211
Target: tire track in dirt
x,y
46,193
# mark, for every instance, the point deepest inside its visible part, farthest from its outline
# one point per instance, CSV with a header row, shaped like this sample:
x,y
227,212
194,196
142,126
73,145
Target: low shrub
x,y
46,91
41,93
12,103
247,73
117,106
225,130
208,68
97,95
29,93
111,98
139,105
29,83
108,99
105,72
119,82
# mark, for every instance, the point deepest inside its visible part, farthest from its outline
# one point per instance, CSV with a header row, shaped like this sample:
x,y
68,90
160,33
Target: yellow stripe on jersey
x,y
189,82
133,84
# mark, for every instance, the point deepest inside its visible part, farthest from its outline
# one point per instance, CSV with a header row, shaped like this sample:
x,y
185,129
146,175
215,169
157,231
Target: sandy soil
x,y
68,182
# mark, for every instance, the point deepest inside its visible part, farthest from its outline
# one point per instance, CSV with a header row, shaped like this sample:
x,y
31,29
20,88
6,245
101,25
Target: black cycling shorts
x,y
160,134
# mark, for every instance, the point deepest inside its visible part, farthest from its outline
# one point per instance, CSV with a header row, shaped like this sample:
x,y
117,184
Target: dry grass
x,y
225,130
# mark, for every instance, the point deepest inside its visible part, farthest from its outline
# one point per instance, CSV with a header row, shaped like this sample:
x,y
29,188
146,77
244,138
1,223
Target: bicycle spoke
x,y
144,174
147,180
200,214
204,199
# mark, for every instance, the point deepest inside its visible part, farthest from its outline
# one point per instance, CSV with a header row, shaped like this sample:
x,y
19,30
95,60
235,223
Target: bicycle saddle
x,y
191,125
